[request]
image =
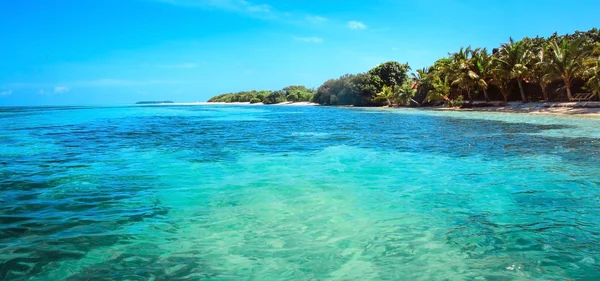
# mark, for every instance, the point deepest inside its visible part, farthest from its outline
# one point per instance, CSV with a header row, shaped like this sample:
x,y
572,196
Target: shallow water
x,y
296,193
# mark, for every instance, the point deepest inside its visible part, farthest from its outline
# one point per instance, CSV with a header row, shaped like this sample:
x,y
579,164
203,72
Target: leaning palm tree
x,y
567,58
387,94
404,93
540,72
483,65
514,58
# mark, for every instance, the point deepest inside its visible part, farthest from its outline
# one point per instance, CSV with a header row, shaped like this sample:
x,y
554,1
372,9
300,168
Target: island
x,y
154,102
559,71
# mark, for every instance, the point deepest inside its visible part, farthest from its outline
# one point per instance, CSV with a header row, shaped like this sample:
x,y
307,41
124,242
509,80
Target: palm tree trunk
x,y
568,86
544,92
523,97
505,93
485,94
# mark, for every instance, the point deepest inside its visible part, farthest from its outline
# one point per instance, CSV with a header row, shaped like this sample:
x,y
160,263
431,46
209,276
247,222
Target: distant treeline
x,y
532,69
287,94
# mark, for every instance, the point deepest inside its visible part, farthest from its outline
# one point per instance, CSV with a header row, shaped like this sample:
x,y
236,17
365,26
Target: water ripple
x,y
278,193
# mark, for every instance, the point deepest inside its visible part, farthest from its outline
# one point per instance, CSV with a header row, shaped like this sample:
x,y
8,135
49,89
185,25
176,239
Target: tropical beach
x,y
299,140
561,70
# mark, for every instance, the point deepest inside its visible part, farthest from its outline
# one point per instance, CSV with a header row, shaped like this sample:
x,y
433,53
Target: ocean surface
x,y
296,193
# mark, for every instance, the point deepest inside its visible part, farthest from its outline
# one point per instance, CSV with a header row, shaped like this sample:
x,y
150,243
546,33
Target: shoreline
x,y
302,103
587,109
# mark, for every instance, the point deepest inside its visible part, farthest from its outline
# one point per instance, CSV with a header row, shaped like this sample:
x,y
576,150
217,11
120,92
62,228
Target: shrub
x,y
458,102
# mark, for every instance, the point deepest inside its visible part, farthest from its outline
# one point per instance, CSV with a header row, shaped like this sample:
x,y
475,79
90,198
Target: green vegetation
x,y
385,84
290,93
532,69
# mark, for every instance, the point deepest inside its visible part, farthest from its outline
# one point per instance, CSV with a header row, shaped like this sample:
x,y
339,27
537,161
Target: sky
x,y
103,52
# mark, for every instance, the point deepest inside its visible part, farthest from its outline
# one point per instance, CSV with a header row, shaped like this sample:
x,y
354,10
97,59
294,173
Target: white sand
x,y
590,109
236,103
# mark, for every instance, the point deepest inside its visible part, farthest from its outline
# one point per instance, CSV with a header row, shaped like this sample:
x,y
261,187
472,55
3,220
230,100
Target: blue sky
x,y
68,52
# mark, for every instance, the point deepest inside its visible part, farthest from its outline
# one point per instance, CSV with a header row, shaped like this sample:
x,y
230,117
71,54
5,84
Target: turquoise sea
x,y
296,193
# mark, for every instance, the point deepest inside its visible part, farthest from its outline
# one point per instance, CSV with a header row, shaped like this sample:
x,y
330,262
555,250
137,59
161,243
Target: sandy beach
x,y
589,109
235,103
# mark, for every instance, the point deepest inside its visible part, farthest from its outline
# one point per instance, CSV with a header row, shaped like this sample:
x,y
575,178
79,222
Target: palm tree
x,y
593,83
483,65
514,58
501,77
440,91
461,71
405,93
567,60
540,72
421,76
387,94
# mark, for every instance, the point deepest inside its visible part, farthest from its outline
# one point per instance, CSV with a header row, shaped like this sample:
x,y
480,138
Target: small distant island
x,y
287,94
154,102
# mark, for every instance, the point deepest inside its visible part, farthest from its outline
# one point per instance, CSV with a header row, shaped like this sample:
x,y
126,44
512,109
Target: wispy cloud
x,y
66,86
60,89
239,6
250,9
309,39
52,91
6,93
356,25
187,65
315,19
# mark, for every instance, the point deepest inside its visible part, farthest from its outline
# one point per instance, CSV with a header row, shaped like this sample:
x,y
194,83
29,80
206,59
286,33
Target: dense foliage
x,y
385,84
290,93
532,69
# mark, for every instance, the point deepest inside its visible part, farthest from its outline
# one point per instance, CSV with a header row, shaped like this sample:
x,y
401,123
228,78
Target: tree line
x,y
531,69
287,94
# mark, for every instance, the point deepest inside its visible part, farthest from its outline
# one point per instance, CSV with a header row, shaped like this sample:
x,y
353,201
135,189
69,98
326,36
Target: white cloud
x,y
187,65
241,6
6,93
309,39
60,89
356,25
256,8
315,19
251,9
